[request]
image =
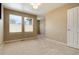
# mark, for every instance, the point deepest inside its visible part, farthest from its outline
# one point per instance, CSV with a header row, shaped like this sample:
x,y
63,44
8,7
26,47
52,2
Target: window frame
x,y
32,24
21,24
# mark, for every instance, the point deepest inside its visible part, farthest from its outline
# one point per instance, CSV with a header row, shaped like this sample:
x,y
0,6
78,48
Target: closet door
x,y
75,27
70,32
78,27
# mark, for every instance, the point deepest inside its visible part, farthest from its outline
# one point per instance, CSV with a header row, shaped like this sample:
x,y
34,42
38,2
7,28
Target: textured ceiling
x,y
26,7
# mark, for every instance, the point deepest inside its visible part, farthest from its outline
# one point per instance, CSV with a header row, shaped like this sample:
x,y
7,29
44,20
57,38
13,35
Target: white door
x,y
72,27
75,27
78,27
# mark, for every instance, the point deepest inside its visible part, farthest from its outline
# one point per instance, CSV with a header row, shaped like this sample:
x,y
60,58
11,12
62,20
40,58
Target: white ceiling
x,y
26,7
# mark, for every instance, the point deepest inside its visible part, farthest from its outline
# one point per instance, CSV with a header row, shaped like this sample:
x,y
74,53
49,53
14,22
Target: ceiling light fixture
x,y
35,5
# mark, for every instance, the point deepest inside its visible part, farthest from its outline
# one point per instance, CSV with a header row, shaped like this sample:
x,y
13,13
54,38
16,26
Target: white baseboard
x,y
56,41
30,38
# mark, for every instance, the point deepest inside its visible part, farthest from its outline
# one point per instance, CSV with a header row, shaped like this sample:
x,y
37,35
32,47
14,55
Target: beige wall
x,y
13,36
42,26
56,23
1,27
1,30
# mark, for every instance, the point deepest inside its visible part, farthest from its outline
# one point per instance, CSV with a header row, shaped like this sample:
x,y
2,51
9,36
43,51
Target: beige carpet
x,y
40,46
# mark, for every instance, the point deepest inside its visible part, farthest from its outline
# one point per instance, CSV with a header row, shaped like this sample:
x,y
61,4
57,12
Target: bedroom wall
x,y
56,23
42,26
1,27
15,36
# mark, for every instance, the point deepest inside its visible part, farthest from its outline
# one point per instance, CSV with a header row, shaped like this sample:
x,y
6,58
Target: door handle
x,y
69,29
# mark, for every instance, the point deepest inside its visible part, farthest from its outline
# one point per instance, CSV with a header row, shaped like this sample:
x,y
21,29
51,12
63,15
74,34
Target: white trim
x,y
30,38
57,41
65,44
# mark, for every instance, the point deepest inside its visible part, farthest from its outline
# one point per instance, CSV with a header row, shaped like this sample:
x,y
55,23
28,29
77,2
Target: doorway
x,y
38,21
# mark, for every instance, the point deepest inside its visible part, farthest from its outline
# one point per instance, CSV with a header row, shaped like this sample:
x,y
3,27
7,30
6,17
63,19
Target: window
x,y
15,23
28,24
